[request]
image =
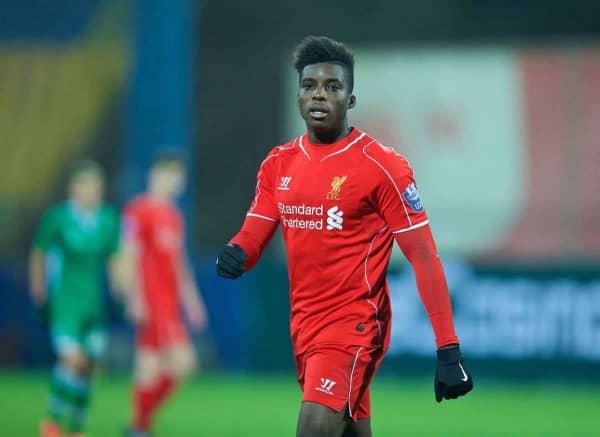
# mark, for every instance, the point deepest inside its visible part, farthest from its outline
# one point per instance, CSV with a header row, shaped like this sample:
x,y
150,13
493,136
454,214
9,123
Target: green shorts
x,y
92,342
75,330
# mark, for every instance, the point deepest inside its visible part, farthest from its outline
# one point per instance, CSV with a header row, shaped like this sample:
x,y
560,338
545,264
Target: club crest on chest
x,y
336,187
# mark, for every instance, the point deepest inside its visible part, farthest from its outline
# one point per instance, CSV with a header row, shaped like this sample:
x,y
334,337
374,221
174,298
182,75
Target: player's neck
x,y
159,197
329,136
80,205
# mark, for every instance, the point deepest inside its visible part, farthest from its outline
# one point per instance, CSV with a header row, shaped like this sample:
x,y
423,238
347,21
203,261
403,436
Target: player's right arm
x,y
37,276
128,264
244,249
45,238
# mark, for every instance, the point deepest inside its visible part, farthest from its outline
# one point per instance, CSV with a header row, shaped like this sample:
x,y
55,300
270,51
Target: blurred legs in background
x,y
69,394
157,373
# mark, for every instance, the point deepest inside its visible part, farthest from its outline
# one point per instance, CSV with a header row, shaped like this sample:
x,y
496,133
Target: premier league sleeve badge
x,y
412,197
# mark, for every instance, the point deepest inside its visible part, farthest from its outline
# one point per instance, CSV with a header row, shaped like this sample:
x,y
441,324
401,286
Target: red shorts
x,y
338,377
161,333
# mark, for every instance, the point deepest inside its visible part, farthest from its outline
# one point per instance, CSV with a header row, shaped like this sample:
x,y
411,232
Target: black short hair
x,y
317,49
169,157
86,166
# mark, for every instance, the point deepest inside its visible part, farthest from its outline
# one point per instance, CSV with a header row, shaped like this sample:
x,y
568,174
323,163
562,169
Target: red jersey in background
x,y
158,231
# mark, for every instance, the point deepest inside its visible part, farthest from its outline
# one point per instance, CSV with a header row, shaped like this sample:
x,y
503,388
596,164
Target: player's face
x,y
324,97
87,189
170,180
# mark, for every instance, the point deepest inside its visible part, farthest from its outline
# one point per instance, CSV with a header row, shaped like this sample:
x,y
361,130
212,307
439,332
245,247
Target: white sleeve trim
x,y
410,228
264,217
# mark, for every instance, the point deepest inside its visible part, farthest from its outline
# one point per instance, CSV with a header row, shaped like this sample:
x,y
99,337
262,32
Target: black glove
x,y
230,261
452,378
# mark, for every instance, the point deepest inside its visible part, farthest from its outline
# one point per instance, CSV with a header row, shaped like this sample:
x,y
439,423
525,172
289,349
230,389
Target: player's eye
x,y
335,86
307,86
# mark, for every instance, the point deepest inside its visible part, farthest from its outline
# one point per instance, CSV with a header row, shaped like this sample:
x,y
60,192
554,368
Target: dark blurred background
x,y
495,103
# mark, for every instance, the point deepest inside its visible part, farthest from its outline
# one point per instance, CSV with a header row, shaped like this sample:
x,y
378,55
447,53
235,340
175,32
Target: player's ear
x,y
352,101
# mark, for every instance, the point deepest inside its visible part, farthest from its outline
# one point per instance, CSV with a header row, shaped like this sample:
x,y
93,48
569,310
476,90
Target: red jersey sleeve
x,y
395,194
419,248
263,215
264,206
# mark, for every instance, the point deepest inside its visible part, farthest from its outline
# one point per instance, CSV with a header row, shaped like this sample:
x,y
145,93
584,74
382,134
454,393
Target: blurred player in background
x,y
342,199
161,281
82,236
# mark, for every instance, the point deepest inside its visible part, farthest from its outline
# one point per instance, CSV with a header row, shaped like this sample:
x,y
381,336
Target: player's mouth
x,y
318,113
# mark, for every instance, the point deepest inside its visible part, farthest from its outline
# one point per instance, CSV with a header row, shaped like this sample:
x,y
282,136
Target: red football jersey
x,y
338,206
158,231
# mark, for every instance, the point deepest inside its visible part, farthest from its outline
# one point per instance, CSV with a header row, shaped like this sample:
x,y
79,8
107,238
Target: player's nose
x,y
319,93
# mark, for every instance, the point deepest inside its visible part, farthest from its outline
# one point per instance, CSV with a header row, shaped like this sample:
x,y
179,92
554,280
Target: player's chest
x,y
165,232
300,186
81,237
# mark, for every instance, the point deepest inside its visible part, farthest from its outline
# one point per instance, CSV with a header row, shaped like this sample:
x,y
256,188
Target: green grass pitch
x,y
226,406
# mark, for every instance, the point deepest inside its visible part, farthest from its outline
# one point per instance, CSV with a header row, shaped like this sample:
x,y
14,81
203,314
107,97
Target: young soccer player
x,y
341,199
82,235
153,246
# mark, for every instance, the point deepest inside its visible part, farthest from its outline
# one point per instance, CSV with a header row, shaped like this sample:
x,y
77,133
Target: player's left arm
x,y
452,378
398,202
189,294
419,248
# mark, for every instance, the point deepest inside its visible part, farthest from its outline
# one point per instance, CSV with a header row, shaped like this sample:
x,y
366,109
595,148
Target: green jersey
x,y
84,240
